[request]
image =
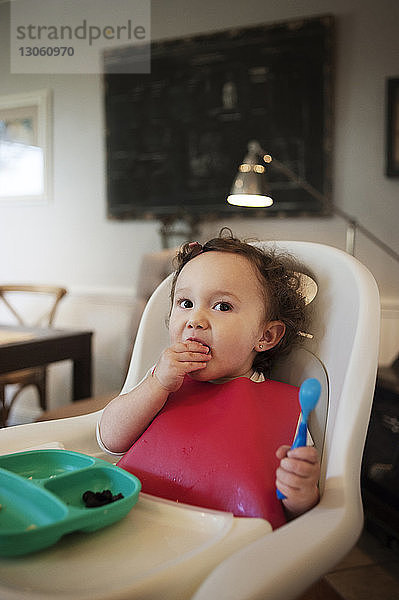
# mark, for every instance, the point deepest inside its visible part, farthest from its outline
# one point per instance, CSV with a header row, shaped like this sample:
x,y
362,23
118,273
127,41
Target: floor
x,y
369,572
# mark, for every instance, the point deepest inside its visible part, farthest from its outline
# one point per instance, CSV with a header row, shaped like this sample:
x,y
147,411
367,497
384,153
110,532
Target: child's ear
x,y
272,334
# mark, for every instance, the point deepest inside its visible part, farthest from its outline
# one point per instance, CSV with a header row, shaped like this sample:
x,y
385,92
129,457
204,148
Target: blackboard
x,y
175,137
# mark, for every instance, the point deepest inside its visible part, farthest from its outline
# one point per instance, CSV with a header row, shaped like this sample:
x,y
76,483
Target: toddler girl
x,y
234,308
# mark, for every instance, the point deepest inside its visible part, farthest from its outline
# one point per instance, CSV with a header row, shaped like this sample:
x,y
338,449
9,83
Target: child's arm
x,y
297,478
126,417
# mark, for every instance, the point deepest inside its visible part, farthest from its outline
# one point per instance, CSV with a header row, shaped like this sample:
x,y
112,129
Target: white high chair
x,y
163,550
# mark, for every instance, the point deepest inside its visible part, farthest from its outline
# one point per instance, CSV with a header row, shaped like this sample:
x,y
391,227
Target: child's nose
x,y
195,325
197,321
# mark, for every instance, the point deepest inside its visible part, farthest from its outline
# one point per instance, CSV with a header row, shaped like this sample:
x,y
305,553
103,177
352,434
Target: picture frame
x,y
25,147
392,157
176,137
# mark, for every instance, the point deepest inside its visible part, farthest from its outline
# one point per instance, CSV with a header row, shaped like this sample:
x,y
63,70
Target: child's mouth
x,y
192,339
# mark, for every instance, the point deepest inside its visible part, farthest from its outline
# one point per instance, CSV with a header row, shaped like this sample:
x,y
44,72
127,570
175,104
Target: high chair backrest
x,y
17,299
343,350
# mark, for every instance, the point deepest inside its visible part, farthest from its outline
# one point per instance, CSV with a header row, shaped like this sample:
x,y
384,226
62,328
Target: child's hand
x,y
178,360
297,478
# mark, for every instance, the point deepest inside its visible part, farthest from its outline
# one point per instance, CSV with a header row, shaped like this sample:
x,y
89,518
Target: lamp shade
x,y
249,186
249,189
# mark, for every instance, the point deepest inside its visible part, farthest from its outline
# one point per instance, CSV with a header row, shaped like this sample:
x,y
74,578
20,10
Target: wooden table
x,y
24,348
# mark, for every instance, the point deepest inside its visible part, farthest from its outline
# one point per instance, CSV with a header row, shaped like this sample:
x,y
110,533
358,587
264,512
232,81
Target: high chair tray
x,y
161,549
41,497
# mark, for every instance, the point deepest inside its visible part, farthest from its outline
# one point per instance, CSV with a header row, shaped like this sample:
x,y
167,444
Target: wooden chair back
x,y
10,293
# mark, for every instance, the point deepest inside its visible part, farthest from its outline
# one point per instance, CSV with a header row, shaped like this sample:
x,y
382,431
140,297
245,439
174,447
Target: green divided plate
x,y
41,497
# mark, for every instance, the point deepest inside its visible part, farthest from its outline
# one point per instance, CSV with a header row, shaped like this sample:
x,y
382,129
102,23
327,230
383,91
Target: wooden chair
x,y
10,297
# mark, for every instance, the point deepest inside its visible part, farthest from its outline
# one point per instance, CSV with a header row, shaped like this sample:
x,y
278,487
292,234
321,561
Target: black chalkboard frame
x,y
175,137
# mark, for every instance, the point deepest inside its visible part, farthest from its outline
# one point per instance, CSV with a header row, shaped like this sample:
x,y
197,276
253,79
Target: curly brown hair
x,y
278,275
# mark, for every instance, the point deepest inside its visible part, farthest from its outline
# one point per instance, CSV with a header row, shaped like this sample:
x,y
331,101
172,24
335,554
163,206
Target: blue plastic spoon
x,y
309,394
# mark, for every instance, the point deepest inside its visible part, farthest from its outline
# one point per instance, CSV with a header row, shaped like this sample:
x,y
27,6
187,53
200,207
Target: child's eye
x,y
185,303
223,306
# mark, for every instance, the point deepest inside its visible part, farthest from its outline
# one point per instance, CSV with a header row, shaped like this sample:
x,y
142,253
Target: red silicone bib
x,y
213,445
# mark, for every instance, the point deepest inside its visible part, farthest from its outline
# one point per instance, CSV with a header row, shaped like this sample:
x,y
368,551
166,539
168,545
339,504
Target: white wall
x,y
70,240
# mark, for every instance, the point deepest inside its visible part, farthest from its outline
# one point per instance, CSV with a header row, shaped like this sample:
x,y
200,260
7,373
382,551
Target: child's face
x,y
218,301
